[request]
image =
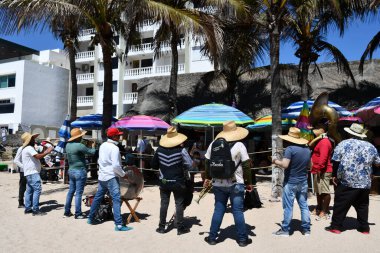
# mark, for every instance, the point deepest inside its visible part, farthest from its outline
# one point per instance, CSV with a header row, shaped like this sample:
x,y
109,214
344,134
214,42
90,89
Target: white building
x,y
140,63
33,89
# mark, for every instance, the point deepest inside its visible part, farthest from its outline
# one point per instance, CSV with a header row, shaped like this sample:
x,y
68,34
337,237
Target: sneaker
x,y
28,211
161,230
122,228
80,217
21,206
306,233
38,213
210,241
181,231
89,221
245,243
364,232
67,215
281,232
333,230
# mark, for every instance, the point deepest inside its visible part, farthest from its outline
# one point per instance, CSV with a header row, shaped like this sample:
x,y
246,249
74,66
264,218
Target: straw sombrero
x,y
357,130
76,133
172,138
231,132
294,136
26,138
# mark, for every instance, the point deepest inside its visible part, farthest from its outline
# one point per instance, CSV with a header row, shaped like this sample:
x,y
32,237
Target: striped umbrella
x,y
303,123
64,135
141,122
377,110
90,122
211,115
294,110
368,114
266,121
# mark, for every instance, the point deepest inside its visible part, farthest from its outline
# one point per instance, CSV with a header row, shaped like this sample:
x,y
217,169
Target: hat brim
x,y
27,141
348,130
77,136
236,135
173,141
300,141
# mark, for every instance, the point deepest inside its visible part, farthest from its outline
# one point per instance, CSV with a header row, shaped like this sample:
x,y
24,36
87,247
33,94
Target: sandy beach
x,y
53,233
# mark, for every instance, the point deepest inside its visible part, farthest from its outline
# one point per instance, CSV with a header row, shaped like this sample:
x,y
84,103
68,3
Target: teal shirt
x,y
76,154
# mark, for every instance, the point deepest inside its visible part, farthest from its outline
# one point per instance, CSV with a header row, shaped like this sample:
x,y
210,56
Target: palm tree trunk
x,y
107,87
74,83
304,80
173,73
277,173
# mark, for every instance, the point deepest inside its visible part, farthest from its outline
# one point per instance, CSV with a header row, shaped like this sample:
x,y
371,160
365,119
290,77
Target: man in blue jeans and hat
x,y
296,162
109,171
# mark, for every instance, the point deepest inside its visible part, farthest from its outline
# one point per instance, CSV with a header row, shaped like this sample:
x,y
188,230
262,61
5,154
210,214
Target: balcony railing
x,y
85,55
85,77
142,47
130,98
150,71
168,68
85,100
87,32
139,71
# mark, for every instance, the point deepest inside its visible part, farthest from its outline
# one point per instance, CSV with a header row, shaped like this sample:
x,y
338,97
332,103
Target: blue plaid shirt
x,y
356,158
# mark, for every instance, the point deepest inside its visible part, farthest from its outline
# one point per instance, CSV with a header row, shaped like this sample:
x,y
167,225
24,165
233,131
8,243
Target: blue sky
x,y
352,44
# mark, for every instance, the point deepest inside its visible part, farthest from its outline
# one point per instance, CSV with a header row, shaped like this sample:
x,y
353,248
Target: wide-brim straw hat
x,y
294,136
231,132
26,138
357,130
172,138
76,133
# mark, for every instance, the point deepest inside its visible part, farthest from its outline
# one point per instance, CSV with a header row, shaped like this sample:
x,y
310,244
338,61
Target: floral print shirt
x,y
356,158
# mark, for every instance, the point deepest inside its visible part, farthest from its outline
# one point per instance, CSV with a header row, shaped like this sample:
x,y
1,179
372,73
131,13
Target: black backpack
x,y
221,164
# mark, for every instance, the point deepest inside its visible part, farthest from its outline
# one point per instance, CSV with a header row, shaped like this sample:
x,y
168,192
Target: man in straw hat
x,y
76,152
109,170
296,162
172,162
32,167
352,168
232,188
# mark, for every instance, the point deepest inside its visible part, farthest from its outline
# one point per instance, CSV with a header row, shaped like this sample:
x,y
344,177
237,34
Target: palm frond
x,y
368,52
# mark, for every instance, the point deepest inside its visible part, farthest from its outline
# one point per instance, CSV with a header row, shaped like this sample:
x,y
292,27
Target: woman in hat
x,y
76,152
173,164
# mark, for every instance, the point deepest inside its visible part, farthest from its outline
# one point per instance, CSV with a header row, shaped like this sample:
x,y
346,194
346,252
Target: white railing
x,y
85,99
142,47
138,71
168,68
130,98
87,32
85,55
85,77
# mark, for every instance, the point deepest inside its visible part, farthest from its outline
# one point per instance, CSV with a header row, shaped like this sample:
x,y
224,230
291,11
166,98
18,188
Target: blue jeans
x,y
236,195
113,187
299,192
33,192
78,179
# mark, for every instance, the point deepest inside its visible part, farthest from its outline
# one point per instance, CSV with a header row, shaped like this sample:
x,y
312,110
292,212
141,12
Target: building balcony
x,y
85,101
85,56
128,99
86,34
146,25
85,78
150,71
147,48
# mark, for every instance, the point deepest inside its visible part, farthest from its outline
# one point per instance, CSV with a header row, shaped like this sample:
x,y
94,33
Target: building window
x,y
114,110
114,86
6,106
90,91
7,81
147,40
115,63
134,87
146,63
136,64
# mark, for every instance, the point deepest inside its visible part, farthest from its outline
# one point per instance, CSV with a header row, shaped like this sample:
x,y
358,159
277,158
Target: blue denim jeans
x,y
299,192
236,195
113,187
33,192
78,179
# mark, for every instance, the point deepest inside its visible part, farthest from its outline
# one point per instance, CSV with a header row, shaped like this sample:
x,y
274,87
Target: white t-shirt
x,y
18,160
239,153
109,161
31,165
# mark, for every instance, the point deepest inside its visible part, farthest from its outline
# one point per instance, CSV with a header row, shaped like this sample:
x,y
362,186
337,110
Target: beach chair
x,y
132,209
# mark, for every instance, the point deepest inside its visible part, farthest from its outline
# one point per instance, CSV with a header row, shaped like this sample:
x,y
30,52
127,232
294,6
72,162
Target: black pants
x,y
165,198
21,189
345,197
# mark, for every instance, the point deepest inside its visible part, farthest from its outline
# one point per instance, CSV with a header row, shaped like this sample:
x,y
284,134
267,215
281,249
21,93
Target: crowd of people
x,y
226,165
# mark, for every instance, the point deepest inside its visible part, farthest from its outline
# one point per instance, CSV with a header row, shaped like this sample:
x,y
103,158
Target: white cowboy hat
x,y
231,132
357,130
27,137
76,133
294,136
172,138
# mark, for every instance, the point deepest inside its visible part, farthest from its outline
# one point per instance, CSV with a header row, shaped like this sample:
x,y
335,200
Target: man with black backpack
x,y
228,165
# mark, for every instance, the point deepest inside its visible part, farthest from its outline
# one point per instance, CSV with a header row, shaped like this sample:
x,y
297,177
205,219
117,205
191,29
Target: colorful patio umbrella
x,y
303,123
377,110
294,110
90,122
141,122
266,121
368,114
211,115
64,135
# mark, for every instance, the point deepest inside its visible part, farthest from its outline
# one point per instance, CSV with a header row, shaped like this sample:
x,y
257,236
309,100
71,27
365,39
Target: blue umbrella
x,y
90,122
370,105
367,112
294,110
64,135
